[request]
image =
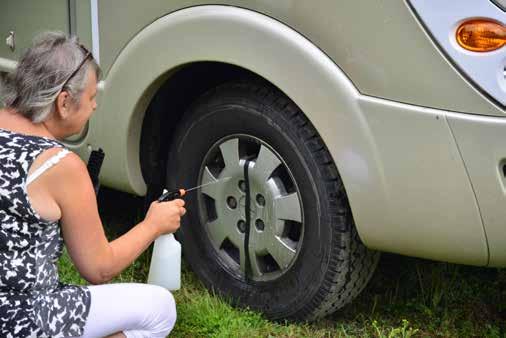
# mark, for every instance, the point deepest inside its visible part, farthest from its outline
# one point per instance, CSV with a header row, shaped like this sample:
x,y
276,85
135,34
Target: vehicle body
x,y
417,138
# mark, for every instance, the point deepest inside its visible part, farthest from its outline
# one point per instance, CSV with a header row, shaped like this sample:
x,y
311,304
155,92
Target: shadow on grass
x,y
438,299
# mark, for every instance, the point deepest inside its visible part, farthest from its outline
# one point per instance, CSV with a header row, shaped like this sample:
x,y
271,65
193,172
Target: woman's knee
x,y
143,310
166,306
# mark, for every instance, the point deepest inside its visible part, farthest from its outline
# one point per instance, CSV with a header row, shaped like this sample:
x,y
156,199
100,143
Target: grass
x,y
407,297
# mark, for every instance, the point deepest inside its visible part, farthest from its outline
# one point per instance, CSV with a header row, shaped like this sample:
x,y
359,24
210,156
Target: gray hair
x,y
41,73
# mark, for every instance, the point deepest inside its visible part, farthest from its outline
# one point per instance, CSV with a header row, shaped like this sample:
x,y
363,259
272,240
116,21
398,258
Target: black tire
x,y
332,265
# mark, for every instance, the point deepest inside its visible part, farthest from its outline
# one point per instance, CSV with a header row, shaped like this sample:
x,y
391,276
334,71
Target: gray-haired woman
x,y
49,97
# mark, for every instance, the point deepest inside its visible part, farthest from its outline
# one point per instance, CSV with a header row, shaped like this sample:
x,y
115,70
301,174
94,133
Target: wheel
x,y
305,257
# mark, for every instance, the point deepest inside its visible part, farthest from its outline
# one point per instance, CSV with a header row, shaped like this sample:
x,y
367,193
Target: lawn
x,y
406,297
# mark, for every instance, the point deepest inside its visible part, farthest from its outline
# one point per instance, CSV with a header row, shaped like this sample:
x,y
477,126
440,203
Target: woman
x,y
47,199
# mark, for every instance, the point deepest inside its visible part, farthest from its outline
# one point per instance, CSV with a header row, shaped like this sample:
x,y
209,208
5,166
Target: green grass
x,y
406,297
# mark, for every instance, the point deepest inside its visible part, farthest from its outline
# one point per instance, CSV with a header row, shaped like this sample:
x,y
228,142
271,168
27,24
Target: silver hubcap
x,y
276,212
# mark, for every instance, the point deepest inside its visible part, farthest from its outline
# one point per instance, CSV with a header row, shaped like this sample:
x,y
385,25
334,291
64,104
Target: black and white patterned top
x,y
33,303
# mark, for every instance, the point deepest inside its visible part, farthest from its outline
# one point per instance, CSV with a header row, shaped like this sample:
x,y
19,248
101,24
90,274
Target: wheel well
x,y
167,107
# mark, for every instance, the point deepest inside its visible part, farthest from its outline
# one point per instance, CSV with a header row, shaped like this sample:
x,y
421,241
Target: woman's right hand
x,y
165,216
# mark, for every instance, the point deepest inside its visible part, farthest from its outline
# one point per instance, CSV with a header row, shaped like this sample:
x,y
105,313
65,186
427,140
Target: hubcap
x,y
276,211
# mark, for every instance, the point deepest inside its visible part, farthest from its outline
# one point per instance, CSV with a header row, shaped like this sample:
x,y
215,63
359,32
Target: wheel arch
x,y
168,106
252,41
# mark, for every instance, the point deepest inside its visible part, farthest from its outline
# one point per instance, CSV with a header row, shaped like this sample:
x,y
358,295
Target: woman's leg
x,y
135,310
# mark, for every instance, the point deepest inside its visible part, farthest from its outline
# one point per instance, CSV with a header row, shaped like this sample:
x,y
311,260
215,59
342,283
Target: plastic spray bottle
x,y
165,267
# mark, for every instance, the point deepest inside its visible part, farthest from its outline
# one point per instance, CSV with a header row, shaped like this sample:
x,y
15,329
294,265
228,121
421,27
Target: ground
x,y
407,297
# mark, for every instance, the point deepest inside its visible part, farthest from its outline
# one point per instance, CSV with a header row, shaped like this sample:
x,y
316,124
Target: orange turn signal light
x,y
480,35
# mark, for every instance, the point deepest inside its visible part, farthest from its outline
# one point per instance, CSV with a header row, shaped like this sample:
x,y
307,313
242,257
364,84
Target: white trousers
x,y
137,310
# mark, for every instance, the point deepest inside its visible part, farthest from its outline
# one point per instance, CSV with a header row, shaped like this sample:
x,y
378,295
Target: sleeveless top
x,y
33,303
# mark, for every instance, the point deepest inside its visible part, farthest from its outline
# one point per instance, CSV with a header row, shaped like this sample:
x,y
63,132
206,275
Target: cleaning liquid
x,y
165,267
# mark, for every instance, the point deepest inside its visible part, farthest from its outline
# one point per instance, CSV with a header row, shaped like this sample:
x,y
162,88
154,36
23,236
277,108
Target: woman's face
x,y
80,113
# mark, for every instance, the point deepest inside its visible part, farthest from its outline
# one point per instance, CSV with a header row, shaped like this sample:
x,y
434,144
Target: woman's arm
x,y
95,258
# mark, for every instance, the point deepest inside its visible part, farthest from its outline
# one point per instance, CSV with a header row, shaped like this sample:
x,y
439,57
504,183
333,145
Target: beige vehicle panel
x,y
378,44
428,208
482,141
14,16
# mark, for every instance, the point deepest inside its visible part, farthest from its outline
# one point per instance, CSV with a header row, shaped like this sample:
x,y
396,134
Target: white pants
x,y
137,310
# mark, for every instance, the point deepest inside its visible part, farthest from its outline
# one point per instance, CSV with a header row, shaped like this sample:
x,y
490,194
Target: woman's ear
x,y
62,108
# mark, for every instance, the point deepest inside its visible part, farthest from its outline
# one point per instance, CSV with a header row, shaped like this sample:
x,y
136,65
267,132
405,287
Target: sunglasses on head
x,y
87,55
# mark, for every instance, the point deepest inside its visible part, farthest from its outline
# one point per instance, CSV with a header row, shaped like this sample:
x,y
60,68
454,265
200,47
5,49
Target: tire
x,y
310,260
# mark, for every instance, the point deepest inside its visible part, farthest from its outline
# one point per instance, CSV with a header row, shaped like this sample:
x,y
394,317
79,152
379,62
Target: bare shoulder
x,y
68,174
72,167
70,160
73,162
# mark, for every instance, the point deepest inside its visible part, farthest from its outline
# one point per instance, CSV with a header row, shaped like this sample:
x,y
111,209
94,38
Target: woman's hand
x,y
166,216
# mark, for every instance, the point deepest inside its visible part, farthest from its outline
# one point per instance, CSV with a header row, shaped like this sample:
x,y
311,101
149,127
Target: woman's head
x,y
52,77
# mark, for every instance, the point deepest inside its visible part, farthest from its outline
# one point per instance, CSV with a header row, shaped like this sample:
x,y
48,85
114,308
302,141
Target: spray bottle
x,y
165,267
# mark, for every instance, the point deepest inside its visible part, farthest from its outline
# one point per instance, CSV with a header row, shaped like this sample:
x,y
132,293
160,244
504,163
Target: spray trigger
x,y
169,195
